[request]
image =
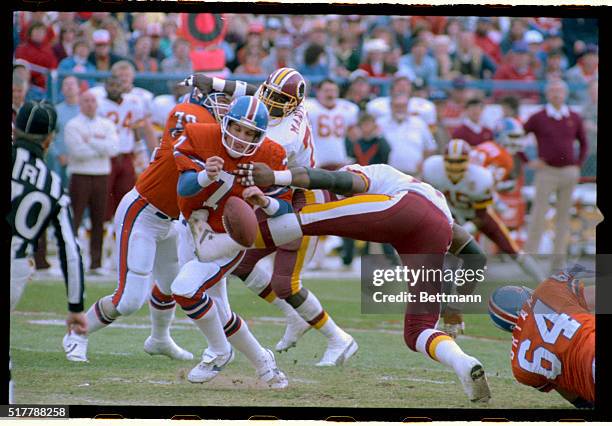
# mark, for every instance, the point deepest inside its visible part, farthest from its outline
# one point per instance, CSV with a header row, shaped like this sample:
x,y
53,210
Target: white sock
x,y
98,316
242,339
313,313
441,348
284,307
161,311
211,327
160,322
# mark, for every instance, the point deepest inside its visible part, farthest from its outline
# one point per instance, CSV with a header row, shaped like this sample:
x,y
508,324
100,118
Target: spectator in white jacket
x,y
91,141
408,135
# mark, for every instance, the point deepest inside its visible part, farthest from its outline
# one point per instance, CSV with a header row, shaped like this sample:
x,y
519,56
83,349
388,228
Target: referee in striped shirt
x,y
37,200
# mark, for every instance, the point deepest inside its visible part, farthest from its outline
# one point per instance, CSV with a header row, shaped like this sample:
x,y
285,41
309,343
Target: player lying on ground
x,y
553,334
283,93
394,208
204,154
37,200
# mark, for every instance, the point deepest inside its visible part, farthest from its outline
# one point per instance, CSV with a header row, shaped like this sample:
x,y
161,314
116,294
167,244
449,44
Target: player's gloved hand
x,y
259,174
200,230
201,81
452,320
214,165
76,322
255,197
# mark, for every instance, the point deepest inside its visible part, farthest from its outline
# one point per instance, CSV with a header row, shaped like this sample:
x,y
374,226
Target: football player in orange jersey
x,y
505,158
147,238
553,334
204,154
283,93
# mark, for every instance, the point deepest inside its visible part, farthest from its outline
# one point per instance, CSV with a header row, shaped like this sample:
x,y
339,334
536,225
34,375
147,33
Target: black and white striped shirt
x,y
37,200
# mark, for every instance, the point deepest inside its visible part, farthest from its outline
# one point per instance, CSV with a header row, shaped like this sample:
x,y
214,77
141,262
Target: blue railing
x,y
158,82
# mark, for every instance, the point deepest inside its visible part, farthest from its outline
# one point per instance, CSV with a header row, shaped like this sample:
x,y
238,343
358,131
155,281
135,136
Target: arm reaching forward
x,y
339,182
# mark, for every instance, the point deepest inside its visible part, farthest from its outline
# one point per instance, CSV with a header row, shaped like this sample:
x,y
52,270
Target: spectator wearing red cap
x,y
37,52
583,73
483,39
517,68
102,57
471,130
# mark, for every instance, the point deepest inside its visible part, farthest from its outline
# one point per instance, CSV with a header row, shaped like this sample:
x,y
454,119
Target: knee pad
x,y
193,275
260,276
141,254
136,291
414,325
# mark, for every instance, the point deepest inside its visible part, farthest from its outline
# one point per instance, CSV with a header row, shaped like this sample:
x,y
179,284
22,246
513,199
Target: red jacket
x,y
489,47
38,54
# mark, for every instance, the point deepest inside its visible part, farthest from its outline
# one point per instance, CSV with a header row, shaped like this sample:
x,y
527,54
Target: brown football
x,y
239,221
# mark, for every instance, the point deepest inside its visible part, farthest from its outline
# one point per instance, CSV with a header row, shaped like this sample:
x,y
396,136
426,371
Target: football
x,y
239,221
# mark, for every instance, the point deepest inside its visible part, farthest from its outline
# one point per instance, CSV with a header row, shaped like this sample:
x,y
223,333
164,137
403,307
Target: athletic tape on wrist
x,y
241,88
203,179
272,207
283,177
218,84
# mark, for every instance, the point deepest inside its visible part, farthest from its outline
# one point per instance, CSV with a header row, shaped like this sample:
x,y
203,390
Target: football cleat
x,y
474,381
296,328
271,374
166,347
210,366
75,346
338,351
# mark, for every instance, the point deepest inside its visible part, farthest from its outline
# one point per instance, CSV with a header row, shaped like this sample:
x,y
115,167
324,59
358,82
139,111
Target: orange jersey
x,y
553,343
495,158
157,184
202,141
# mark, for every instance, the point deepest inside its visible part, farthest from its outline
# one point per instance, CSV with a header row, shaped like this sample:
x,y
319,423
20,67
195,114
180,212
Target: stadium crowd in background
x,y
412,54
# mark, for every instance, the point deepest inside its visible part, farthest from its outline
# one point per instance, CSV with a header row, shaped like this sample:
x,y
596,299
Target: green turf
x,y
384,373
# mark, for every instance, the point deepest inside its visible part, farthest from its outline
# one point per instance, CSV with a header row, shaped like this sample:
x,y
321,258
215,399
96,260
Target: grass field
x,y
383,373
